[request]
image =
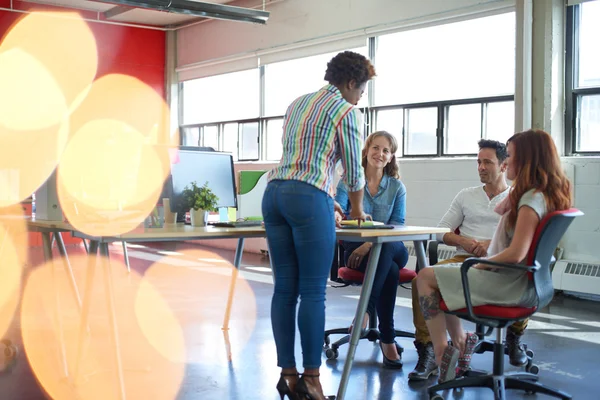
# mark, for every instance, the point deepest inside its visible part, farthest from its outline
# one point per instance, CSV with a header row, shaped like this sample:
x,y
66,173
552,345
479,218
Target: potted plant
x,y
199,200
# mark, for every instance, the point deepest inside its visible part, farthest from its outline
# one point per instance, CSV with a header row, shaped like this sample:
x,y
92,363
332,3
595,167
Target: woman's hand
x,y
357,255
338,219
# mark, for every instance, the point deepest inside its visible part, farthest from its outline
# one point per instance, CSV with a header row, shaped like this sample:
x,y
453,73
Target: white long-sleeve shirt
x,y
473,213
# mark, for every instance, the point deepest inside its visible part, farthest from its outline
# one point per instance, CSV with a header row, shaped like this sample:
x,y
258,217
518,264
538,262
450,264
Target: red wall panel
x,y
137,52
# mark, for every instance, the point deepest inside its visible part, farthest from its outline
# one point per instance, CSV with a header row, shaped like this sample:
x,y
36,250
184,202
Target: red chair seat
x,y
490,311
355,276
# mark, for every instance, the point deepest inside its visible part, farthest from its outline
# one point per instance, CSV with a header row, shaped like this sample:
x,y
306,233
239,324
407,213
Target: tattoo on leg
x,y
430,305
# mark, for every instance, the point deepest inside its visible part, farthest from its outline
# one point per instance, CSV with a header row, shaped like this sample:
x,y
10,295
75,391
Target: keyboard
x,y
236,224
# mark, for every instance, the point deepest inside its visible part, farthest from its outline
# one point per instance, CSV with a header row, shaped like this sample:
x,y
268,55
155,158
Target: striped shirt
x,y
319,130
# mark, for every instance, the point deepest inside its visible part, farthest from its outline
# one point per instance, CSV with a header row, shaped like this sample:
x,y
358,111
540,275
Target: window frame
x,y
442,113
572,93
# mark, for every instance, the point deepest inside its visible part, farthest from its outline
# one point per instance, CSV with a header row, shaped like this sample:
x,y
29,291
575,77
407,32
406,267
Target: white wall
x,y
294,21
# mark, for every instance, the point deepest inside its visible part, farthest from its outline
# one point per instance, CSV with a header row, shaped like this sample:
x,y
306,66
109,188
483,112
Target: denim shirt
x,y
387,206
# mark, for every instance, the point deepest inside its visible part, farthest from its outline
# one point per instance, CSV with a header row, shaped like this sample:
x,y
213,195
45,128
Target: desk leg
x,y
420,252
87,300
47,247
126,256
63,253
236,263
110,303
85,246
365,293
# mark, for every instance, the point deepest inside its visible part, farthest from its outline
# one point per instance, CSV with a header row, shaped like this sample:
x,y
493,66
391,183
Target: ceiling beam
x,y
200,9
117,10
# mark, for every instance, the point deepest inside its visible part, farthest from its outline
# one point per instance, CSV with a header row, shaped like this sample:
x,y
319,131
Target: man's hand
x,y
357,255
481,248
359,215
469,245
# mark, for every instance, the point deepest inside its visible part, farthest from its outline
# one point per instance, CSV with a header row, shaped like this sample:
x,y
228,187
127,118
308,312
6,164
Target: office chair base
x,y
499,384
488,345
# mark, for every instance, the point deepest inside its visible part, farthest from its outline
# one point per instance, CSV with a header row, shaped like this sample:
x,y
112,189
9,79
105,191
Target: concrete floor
x,y
172,345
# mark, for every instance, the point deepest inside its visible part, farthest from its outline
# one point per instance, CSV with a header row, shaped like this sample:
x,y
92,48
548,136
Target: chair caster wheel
x,y
331,354
530,353
534,369
436,397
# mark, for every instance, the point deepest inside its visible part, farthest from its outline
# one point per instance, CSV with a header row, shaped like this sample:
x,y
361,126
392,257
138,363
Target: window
x,y
467,59
230,139
273,139
191,136
212,99
392,122
463,129
421,128
285,81
500,120
210,136
583,78
248,141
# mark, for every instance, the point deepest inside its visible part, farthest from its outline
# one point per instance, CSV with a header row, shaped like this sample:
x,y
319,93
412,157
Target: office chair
x,y
353,277
548,233
484,344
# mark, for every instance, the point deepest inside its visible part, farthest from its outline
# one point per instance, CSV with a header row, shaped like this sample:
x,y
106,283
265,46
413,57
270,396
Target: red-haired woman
x,y
539,187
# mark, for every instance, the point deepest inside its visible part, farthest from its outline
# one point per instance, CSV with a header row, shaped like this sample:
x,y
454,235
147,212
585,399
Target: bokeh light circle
x,y
143,364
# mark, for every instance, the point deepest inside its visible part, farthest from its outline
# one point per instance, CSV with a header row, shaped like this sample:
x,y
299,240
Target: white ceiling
x,y
133,15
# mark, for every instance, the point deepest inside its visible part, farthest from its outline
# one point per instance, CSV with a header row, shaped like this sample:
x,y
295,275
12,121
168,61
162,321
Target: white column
x,y
548,68
523,70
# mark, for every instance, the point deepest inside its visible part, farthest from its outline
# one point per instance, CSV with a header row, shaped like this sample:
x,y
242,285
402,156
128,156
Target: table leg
x,y
126,256
47,246
63,253
110,303
87,300
236,263
422,261
85,246
365,293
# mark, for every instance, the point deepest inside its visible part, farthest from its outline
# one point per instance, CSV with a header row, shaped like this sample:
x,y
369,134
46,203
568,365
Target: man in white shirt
x,y
472,216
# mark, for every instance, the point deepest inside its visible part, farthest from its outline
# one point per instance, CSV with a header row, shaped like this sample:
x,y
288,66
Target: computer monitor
x,y
216,168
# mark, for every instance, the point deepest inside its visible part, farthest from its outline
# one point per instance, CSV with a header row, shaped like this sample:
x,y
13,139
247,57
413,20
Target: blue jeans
x,y
393,257
300,229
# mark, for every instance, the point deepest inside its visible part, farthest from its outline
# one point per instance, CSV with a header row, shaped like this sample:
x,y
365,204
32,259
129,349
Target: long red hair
x,y
538,167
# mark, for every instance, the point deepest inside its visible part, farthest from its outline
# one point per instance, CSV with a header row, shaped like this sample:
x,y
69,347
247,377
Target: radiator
x,y
575,276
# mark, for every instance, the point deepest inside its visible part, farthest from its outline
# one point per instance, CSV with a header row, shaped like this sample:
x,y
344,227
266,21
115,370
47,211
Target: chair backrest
x,y
547,235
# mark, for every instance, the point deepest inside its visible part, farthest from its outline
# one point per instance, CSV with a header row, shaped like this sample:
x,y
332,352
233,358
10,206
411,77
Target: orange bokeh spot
x,y
195,283
13,249
109,179
147,373
112,172
47,63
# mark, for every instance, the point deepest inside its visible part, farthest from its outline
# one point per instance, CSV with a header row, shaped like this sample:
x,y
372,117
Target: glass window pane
x,y
249,141
191,136
588,138
230,139
287,80
274,139
421,127
473,58
589,32
463,129
392,121
210,136
500,121
207,100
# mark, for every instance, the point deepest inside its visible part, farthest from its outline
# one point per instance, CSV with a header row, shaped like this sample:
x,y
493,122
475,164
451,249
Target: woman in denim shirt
x,y
385,201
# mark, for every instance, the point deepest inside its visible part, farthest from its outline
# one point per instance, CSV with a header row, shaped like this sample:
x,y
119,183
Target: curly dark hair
x,y
494,145
347,66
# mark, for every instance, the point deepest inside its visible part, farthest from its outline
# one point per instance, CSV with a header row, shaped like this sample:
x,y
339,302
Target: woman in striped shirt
x,y
319,129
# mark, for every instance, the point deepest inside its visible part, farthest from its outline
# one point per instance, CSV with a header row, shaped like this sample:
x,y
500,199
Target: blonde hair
x,y
391,169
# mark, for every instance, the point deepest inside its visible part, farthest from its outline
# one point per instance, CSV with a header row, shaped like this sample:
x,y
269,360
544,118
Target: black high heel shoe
x,y
284,389
394,364
302,389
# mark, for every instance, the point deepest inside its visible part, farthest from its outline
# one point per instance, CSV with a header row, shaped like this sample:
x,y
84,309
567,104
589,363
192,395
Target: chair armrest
x,y
464,270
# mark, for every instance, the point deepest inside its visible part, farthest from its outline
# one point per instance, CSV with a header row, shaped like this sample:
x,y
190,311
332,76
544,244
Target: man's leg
x,y
426,365
516,350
